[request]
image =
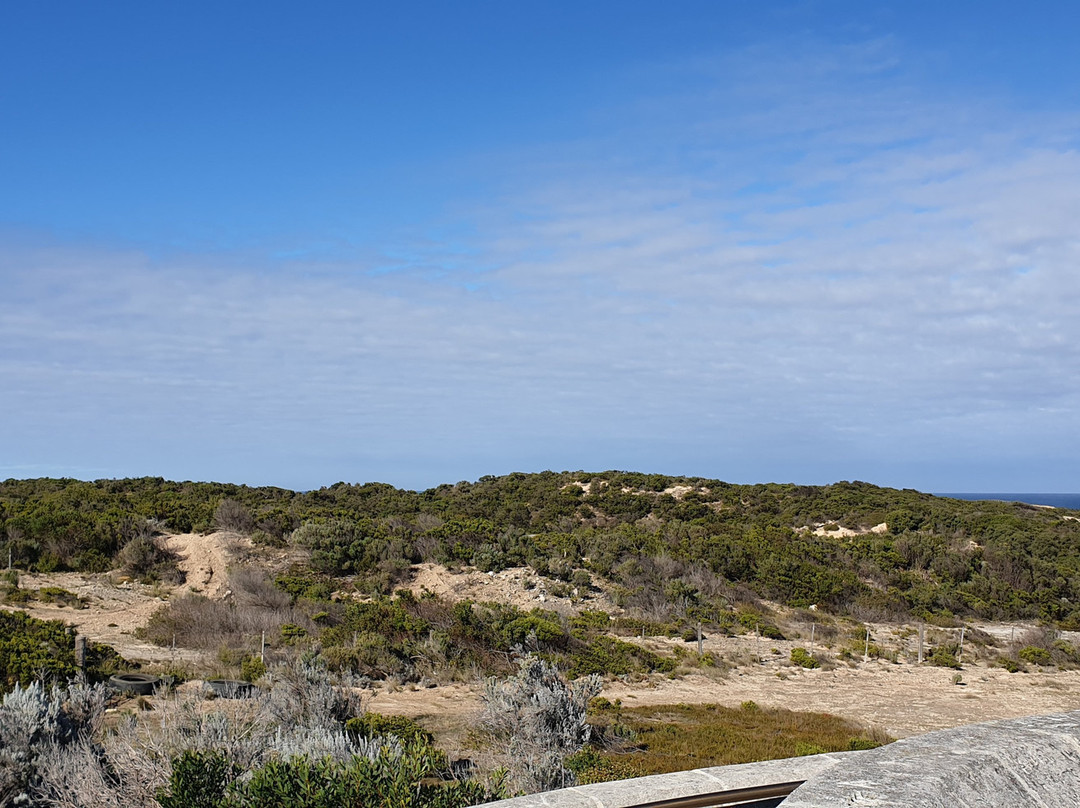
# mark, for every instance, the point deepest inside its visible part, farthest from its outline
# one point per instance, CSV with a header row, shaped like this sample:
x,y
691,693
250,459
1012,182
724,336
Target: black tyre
x,y
230,688
136,684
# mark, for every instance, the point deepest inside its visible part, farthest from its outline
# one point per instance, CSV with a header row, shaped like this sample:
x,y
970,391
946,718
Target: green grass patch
x,y
671,738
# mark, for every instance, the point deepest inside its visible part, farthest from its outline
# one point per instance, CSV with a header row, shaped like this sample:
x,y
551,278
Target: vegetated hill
x,y
675,546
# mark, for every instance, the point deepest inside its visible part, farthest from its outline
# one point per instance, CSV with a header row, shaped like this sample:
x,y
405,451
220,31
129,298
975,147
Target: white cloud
x,y
821,260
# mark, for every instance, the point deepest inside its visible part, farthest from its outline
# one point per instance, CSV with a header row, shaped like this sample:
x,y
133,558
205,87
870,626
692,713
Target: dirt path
x,y
114,611
116,607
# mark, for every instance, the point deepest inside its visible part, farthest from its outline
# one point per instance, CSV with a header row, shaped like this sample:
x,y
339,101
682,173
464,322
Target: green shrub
x,y
33,649
304,586
396,782
198,780
803,658
862,744
147,559
593,766
252,669
590,620
291,631
944,656
1035,655
371,724
607,655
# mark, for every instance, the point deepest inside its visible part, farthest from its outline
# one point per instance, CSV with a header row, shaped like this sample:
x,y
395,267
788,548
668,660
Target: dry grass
x,y
194,621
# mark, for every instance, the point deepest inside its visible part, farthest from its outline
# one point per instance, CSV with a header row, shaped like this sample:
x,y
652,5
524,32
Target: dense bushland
x,y
400,636
35,650
671,557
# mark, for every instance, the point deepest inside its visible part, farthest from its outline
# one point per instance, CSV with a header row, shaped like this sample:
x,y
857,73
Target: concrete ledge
x,y
623,793
1017,763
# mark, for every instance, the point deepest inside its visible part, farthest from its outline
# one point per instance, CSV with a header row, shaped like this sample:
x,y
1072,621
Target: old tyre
x,y
230,688
135,684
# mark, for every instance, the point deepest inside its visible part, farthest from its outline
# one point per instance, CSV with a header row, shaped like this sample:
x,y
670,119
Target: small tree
x,y
541,720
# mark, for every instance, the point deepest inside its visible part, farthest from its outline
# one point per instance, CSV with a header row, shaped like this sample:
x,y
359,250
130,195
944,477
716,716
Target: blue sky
x,y
293,244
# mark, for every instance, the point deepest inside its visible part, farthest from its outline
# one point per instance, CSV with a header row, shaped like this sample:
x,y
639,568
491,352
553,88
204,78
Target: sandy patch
x,y
901,699
515,586
117,607
844,532
205,560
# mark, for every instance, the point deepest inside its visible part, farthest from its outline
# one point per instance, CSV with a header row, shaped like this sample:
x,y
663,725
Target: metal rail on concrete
x,y
753,785
754,797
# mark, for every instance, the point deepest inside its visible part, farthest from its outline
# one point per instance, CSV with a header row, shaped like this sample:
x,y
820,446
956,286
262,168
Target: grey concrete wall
x,y
623,793
1025,762
1018,763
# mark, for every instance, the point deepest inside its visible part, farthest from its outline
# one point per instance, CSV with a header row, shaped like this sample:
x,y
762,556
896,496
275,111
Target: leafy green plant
x,y
803,658
944,656
32,649
199,779
1035,655
372,724
252,669
590,765
609,656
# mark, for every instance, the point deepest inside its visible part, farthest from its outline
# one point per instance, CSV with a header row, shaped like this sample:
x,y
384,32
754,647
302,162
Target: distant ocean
x,y
1057,500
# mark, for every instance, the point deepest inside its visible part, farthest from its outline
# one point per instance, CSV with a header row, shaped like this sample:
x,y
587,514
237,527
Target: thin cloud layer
x,y
765,268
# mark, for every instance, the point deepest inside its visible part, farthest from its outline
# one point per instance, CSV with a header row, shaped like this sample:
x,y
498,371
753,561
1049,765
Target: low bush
x,y
803,658
944,656
609,656
392,778
370,725
200,779
539,720
590,765
1035,655
145,557
252,669
32,649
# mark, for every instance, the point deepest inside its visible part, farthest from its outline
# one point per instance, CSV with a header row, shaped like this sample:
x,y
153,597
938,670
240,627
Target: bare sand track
x,y
115,607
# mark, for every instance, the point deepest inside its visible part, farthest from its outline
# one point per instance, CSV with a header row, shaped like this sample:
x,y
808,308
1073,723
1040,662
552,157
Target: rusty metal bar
x,y
734,796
